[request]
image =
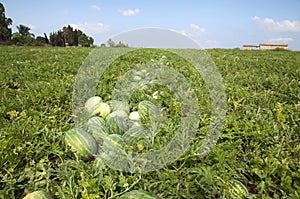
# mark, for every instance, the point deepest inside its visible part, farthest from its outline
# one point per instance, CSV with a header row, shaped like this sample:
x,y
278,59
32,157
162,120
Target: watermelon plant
x,y
259,143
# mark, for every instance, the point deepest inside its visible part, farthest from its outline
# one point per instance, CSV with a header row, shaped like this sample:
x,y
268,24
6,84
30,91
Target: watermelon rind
x,y
82,143
97,128
139,194
38,195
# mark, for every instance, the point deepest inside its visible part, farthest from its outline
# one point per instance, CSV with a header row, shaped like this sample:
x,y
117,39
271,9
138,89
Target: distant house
x,y
265,46
250,47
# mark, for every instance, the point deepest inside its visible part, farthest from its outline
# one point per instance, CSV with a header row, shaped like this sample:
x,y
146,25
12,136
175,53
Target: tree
x,y
41,39
121,45
70,37
24,31
46,38
23,36
5,31
111,43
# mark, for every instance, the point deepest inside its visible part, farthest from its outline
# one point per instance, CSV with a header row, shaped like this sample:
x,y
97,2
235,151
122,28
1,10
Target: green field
x,y
259,145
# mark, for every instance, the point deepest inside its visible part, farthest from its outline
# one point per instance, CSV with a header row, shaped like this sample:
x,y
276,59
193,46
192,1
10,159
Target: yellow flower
x,y
11,170
140,147
12,114
23,114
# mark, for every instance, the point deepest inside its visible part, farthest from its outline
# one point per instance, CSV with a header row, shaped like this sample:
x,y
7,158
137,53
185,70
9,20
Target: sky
x,y
211,23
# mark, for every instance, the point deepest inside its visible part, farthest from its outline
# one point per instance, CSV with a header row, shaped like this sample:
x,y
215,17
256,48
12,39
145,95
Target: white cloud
x,y
92,28
94,7
278,26
193,30
197,30
281,40
129,13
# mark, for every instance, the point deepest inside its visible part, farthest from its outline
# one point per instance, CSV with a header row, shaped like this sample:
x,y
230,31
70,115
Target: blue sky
x,y
212,23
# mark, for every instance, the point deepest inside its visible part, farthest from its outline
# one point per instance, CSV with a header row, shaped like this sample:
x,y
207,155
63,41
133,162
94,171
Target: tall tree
x,y
23,36
24,31
70,37
5,31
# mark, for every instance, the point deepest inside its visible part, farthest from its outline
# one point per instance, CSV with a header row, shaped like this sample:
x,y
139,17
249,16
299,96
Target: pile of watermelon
x,y
111,127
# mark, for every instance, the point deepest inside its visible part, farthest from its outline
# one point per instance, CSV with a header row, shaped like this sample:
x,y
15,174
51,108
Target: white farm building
x,y
265,46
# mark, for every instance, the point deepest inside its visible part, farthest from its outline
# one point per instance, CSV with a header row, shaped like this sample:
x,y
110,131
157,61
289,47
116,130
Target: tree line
x,y
67,36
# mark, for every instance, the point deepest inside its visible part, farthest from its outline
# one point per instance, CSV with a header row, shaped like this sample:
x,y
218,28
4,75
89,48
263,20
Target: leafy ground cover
x,y
259,145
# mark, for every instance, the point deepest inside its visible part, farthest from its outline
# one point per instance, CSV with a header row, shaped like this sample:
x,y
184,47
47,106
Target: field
x,y
259,145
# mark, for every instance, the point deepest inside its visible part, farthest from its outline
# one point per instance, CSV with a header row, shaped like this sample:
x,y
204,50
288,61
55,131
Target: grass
x,y
259,145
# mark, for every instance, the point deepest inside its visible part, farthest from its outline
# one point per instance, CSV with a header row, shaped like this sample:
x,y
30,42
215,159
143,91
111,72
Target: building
x,y
250,47
267,46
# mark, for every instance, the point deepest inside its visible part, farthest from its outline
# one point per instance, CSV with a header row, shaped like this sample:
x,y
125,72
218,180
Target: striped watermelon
x,y
114,143
117,105
91,103
118,113
97,127
147,110
136,132
138,194
83,143
102,109
237,189
38,195
117,124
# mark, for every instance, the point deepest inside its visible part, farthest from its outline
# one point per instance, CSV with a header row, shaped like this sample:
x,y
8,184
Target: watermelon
x,y
91,103
134,115
118,113
97,127
148,110
113,143
102,109
117,105
82,143
117,124
135,132
237,189
138,194
38,195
